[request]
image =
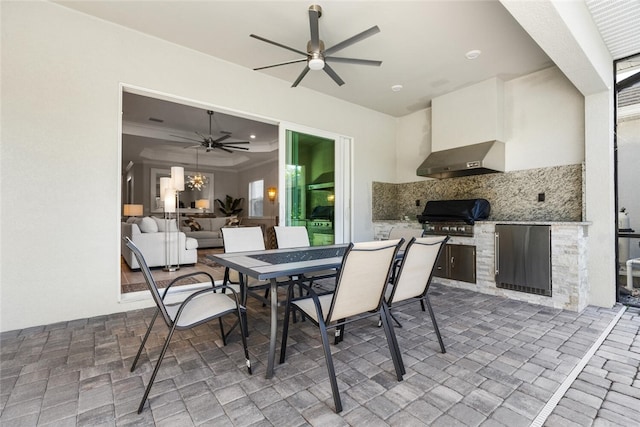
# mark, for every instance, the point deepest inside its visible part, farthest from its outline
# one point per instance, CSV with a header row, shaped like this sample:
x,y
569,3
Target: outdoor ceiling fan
x,y
316,55
210,142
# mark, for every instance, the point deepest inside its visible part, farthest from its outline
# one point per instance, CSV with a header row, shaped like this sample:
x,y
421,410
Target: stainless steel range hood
x,y
323,182
476,159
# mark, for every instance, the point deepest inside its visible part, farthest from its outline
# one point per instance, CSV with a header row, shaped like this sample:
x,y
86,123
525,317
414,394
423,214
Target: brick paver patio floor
x,y
505,360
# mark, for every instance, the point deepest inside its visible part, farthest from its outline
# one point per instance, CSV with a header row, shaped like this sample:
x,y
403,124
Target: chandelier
x,y
197,181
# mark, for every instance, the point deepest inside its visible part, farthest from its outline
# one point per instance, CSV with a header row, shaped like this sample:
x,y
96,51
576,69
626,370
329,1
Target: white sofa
x,y
205,230
148,234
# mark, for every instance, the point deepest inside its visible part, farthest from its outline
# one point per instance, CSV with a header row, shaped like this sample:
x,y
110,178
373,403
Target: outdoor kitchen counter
x,y
570,283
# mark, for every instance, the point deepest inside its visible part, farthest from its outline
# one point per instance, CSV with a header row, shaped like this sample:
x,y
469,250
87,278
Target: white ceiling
x,y
422,44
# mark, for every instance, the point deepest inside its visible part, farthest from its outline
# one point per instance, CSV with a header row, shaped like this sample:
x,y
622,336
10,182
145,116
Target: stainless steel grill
x,y
453,217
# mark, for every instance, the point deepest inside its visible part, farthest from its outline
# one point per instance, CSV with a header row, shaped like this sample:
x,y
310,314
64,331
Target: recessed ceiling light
x,y
473,54
396,88
252,136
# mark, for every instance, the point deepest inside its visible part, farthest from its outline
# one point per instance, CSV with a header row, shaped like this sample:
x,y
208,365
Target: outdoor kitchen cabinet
x,y
523,258
457,262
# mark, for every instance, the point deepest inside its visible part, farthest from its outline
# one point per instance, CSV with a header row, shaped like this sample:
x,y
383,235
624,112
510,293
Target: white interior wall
x,y
543,114
60,113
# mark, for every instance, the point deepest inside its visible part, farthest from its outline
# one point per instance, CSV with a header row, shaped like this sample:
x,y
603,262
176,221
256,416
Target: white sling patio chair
x,y
406,234
359,293
414,276
199,307
244,239
292,236
241,239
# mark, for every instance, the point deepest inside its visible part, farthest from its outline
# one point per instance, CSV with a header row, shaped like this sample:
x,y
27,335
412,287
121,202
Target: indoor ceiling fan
x,y
210,142
316,55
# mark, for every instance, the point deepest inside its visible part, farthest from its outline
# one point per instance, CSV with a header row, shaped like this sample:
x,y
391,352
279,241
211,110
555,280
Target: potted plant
x,y
230,206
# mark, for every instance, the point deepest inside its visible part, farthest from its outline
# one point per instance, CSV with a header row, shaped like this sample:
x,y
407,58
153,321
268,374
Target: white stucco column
x,y
600,197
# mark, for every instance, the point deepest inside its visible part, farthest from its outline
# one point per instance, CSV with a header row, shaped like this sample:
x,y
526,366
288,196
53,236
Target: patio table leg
x,y
274,327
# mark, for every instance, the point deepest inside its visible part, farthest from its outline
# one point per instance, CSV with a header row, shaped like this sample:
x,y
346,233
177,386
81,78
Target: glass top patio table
x,y
277,263
274,263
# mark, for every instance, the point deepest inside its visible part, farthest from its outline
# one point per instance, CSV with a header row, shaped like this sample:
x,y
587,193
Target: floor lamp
x,y
177,183
168,196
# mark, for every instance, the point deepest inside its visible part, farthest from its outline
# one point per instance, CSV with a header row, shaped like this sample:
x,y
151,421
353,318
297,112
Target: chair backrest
x,y
416,268
148,278
242,239
362,278
404,233
292,237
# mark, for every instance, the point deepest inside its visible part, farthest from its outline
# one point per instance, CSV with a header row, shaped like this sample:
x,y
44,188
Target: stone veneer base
x,y
570,285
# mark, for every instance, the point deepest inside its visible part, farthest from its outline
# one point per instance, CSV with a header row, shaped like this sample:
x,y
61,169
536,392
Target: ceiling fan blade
x,y
222,138
188,139
282,63
351,40
224,147
301,76
313,24
353,61
235,142
278,44
333,75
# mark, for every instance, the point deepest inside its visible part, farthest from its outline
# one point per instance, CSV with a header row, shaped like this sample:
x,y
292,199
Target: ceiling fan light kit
x,y
317,56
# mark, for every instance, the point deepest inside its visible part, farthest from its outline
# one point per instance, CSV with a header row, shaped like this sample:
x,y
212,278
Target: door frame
x,y
343,223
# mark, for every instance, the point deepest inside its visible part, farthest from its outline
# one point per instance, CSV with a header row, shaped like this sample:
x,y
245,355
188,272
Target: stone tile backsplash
x,y
513,195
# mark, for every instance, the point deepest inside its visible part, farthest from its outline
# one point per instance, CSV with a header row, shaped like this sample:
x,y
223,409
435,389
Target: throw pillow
x,y
159,223
233,221
193,224
165,225
147,225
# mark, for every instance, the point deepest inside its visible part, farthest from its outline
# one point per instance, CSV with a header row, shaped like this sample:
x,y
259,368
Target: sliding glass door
x,y
316,183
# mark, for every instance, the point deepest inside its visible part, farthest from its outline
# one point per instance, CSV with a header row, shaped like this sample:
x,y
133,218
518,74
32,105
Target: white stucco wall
x,y
544,121
543,126
61,76
413,144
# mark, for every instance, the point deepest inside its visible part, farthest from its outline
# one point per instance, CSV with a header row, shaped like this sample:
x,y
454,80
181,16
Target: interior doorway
x,y
627,159
160,131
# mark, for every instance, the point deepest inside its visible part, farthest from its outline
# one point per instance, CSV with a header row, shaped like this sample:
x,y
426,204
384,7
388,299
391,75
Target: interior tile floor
x,y
133,280
505,360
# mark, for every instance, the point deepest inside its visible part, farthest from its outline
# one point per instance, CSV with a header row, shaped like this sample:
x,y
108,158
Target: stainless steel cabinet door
x,y
523,258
